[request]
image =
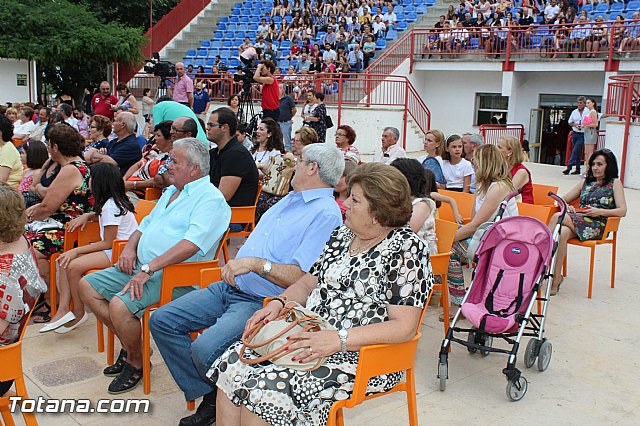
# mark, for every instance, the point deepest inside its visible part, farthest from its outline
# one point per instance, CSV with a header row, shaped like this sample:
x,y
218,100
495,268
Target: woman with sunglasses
x,y
601,196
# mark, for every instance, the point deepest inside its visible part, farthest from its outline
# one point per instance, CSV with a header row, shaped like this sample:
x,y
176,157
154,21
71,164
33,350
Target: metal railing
x,y
608,41
623,103
361,90
492,132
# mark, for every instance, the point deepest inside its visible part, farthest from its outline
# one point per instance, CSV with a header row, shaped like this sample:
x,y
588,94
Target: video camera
x,y
244,75
160,68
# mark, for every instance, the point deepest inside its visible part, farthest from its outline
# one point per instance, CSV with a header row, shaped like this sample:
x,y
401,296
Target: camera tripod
x,y
249,117
162,89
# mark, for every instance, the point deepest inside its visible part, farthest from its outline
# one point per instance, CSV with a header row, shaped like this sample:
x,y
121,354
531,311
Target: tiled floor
x,y
592,379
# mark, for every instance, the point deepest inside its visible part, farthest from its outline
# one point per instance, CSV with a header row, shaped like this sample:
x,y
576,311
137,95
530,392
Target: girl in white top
x,y
457,171
268,144
115,214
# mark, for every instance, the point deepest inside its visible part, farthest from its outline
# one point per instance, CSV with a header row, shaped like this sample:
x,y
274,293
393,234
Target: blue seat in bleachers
x,y
251,35
630,14
381,44
209,62
288,18
222,26
398,9
234,19
255,20
385,9
225,54
407,2
226,44
587,8
253,27
236,43
202,53
191,53
243,27
391,35
283,64
218,35
234,63
199,62
187,61
401,16
403,26
422,9
614,15
417,3
430,2
617,7
412,17
596,14
409,9
208,69
236,13
277,19
205,44
286,44
240,35
216,44
602,7
515,10
633,5
224,20
245,20
233,27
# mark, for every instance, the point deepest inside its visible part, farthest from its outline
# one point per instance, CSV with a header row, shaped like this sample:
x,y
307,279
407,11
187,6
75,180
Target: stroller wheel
x,y
488,341
516,389
544,356
531,353
471,339
442,375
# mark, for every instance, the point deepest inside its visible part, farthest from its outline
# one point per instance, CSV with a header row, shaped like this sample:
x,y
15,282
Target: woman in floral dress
x,y
601,196
67,197
371,283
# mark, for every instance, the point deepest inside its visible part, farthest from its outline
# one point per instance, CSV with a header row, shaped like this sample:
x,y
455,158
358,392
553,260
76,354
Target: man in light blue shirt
x,y
185,226
284,245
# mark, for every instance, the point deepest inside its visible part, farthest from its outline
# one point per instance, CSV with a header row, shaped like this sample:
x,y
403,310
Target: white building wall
x,y
9,89
615,142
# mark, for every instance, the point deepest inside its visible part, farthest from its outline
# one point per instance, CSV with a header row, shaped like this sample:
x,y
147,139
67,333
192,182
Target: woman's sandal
x,y
42,313
127,380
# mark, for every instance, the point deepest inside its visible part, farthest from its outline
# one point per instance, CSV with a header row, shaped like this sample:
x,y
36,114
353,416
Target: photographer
x,y
270,90
182,89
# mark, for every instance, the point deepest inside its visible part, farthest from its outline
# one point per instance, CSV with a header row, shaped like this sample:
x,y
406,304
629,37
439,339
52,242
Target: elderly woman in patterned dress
x,y
601,196
371,283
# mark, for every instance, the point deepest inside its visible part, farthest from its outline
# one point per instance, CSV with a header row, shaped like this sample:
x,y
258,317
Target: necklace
x,y
362,247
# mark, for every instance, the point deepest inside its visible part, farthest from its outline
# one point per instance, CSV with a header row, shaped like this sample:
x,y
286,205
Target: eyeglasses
x,y
94,127
341,134
214,125
174,130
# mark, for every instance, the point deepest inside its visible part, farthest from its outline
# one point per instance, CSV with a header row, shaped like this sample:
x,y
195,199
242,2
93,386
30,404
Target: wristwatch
x,y
145,268
343,334
266,268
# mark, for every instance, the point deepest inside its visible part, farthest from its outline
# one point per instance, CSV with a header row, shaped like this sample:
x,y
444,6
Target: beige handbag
x,y
269,340
278,175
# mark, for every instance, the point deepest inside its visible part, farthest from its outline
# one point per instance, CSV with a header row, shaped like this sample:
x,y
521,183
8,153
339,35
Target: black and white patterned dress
x,y
352,291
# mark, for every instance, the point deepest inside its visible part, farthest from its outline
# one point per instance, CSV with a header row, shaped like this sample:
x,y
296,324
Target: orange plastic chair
x,y
609,236
465,205
375,360
90,234
207,276
151,194
541,198
245,215
446,232
143,209
11,369
540,212
17,143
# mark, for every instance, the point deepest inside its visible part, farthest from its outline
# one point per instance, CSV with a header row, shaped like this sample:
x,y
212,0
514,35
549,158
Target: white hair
x,y
196,153
330,161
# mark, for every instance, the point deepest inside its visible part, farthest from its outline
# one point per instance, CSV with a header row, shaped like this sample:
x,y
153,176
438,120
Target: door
x,y
535,134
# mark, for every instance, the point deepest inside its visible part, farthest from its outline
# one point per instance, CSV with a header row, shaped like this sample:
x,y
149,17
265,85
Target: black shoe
x,y
577,172
205,415
115,369
127,380
566,172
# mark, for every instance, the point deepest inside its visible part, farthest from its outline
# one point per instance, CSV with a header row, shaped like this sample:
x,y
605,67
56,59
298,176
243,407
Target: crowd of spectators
x,y
554,27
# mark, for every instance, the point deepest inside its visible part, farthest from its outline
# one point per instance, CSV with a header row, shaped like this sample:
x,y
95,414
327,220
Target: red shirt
x,y
271,95
102,104
527,189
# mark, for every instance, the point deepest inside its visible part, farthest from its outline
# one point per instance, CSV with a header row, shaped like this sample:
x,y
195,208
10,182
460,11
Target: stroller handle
x,y
561,202
513,194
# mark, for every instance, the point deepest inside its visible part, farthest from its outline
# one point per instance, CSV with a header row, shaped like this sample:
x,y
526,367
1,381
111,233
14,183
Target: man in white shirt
x,y
577,137
390,19
379,28
329,53
551,12
390,147
67,114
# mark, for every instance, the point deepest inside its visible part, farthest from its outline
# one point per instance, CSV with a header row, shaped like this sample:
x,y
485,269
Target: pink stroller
x,y
514,258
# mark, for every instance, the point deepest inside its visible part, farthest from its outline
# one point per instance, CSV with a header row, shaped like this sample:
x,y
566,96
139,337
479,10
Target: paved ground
x,y
592,378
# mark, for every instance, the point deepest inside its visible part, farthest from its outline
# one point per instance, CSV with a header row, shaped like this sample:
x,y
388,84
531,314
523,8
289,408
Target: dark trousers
x,y
273,113
576,153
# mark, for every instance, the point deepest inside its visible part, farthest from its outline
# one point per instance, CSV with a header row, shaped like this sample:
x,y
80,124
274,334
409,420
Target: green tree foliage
x,y
69,43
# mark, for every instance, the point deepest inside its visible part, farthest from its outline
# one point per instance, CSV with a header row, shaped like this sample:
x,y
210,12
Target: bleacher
x,y
245,18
